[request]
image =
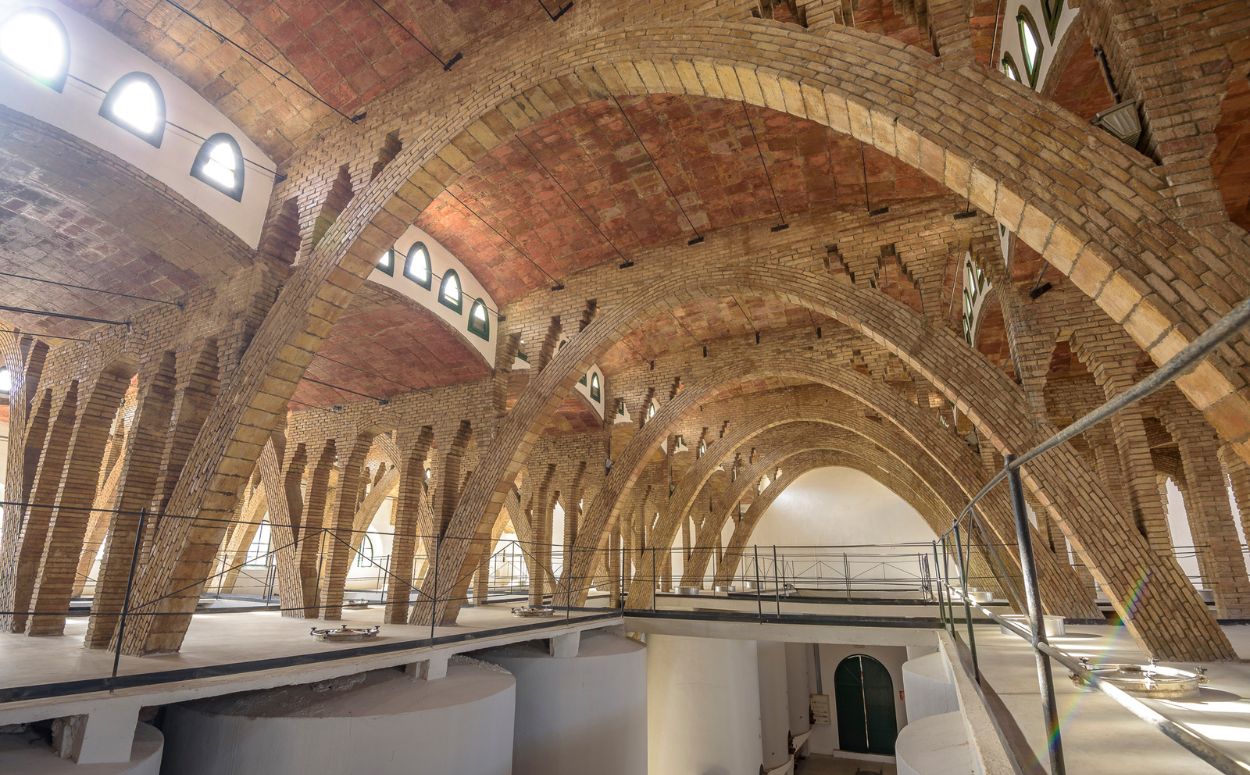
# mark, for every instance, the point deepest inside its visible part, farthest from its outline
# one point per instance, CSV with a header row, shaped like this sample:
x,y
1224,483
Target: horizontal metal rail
x,y
1181,734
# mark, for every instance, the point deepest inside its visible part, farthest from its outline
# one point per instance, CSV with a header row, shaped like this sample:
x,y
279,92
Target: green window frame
x,y
386,264
1028,28
479,319
1051,11
419,255
109,107
450,284
596,391
1010,69
207,157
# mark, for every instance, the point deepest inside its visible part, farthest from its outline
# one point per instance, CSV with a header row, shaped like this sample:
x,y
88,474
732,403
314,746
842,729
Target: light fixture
x,y
1122,122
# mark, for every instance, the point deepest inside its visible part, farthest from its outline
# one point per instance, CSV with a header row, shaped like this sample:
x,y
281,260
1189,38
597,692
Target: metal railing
x,y
967,529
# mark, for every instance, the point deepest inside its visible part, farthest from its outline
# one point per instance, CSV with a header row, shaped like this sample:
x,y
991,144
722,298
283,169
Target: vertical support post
x,y
568,588
434,598
941,597
846,575
759,593
130,585
654,580
1038,625
963,574
777,581
946,581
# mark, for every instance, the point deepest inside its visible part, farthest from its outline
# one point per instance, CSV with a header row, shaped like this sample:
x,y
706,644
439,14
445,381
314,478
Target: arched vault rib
x,y
933,497
907,113
1063,589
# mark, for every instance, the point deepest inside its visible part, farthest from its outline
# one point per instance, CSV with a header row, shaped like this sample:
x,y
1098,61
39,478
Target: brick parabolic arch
x,y
1092,207
935,498
948,462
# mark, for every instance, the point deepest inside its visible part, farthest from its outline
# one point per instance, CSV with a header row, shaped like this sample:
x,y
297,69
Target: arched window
x,y
1009,67
1030,45
6,380
479,321
387,263
365,558
702,447
258,550
220,164
449,293
417,265
596,391
136,104
652,408
34,41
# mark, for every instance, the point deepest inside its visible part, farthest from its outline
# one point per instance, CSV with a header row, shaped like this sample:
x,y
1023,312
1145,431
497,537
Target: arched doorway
x,y
864,697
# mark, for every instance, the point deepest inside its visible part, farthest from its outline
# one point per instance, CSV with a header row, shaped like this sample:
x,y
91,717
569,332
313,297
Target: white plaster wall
x,y
937,745
585,714
824,739
442,259
100,59
848,512
390,724
929,687
29,755
703,706
774,702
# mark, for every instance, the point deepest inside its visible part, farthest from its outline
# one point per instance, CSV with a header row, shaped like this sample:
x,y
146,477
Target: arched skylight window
x,y
136,104
596,391
417,266
34,41
1030,45
387,263
220,164
652,408
449,293
702,448
479,321
1009,67
6,380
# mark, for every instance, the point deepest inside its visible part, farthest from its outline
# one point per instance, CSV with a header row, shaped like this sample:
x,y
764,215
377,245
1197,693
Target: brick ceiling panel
x,y
383,345
570,192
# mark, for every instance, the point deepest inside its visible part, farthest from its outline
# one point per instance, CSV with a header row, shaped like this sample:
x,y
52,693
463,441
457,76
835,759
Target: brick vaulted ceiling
x,y
70,214
707,174
382,345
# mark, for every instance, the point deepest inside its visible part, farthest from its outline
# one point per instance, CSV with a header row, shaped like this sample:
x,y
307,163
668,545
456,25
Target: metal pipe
x,y
776,581
946,576
130,585
1028,568
963,574
941,597
759,593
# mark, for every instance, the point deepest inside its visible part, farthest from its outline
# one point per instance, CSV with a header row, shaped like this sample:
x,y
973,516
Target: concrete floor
x,y
817,764
215,639
1098,735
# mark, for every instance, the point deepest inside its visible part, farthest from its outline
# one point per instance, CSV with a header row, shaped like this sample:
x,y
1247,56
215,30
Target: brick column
x,y
1239,480
341,522
25,548
1210,517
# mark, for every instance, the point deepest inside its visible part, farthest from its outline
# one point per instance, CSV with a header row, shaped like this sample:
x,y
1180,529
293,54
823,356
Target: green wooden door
x,y
864,697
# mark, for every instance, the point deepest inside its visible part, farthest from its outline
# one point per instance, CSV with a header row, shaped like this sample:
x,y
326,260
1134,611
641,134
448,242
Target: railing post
x,y
1038,629
434,597
963,574
759,593
777,581
941,597
654,580
846,575
130,585
946,582
568,588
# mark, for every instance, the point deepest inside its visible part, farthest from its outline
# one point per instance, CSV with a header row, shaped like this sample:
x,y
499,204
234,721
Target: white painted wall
x,y
774,703
824,739
30,755
442,259
703,706
839,507
100,59
391,724
585,714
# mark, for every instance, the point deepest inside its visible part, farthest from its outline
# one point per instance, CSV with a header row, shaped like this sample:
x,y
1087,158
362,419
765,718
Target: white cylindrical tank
x,y
799,678
579,714
774,703
929,687
703,706
936,745
378,723
30,754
